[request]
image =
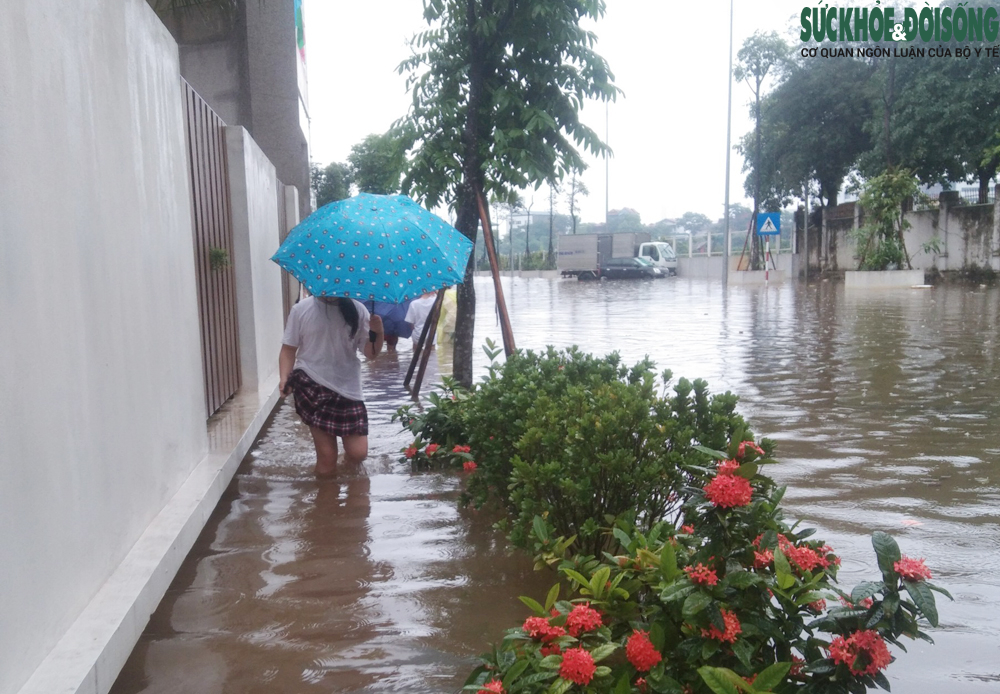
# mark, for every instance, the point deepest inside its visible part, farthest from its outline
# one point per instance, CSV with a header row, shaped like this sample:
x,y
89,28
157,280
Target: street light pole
x,y
729,120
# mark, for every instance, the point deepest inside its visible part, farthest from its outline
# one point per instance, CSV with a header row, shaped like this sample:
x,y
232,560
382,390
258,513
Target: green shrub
x,y
732,601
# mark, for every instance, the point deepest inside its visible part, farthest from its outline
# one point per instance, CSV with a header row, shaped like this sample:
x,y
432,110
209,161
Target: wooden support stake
x,y
432,322
422,340
505,329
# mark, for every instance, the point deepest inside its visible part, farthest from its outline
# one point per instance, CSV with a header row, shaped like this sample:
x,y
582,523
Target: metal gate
x,y
213,249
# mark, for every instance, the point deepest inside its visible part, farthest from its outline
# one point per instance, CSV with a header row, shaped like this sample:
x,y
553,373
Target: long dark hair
x,y
350,313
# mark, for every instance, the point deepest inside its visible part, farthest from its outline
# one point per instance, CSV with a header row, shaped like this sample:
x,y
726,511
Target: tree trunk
x,y
465,316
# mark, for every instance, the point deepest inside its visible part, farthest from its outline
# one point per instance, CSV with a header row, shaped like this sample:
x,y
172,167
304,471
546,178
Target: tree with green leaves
x,y
880,240
497,87
377,164
761,55
575,189
331,182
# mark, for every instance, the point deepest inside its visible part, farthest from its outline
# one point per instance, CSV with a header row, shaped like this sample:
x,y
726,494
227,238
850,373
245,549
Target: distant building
x,y
539,218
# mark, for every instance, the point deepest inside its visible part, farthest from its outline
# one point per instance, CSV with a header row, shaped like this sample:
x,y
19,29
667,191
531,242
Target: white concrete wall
x,y
101,414
253,186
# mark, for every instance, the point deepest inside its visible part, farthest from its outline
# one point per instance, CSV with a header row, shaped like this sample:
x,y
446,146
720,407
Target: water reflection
x,y
884,407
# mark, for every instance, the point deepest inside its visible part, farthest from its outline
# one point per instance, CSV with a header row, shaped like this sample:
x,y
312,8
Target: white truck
x,y
588,256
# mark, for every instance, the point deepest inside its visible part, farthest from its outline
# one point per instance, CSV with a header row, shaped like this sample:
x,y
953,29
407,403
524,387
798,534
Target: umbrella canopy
x,y
374,247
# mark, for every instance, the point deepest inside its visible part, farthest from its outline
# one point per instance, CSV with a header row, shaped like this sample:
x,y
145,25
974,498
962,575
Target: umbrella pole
x,y
422,340
432,323
505,329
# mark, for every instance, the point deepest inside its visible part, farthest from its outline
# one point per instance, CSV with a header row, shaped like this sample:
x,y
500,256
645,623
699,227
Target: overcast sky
x,y
668,130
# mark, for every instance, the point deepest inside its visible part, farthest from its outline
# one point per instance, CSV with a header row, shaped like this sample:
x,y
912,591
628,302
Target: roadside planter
x,y
882,279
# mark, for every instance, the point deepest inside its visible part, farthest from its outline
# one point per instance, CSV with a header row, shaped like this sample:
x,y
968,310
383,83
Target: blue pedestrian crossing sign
x,y
769,224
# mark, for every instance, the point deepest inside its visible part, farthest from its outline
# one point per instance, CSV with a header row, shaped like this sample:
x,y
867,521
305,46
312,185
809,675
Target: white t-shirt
x,y
325,349
417,315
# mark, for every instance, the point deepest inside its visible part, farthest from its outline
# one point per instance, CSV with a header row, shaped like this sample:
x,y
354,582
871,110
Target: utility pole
x,y
729,120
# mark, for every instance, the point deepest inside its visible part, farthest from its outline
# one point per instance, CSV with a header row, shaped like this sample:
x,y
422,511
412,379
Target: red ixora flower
x,y
701,575
460,449
582,618
411,451
729,491
539,628
550,649
744,445
863,652
761,560
469,466
641,652
733,629
912,569
432,448
492,687
577,666
687,529
728,467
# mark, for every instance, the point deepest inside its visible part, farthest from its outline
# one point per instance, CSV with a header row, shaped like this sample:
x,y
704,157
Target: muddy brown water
x,y
885,407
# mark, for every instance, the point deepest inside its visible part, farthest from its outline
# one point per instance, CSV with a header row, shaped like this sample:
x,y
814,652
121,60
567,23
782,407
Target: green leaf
x,y
560,686
551,598
602,652
656,635
747,470
668,562
771,676
709,648
865,590
600,580
623,686
716,680
622,537
939,590
783,570
539,527
533,605
695,603
514,672
718,455
602,671
923,598
552,662
881,681
676,591
742,580
576,576
887,552
715,616
743,650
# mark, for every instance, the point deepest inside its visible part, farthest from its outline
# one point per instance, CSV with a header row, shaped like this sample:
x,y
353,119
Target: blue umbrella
x,y
374,247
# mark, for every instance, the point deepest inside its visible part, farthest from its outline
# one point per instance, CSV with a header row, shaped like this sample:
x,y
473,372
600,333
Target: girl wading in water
x,y
319,364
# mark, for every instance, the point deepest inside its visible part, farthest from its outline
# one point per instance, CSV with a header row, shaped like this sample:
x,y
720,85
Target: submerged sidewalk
x,y
368,582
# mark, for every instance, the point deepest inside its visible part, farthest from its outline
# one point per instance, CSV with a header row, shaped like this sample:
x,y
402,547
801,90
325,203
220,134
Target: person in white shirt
x,y
417,314
318,362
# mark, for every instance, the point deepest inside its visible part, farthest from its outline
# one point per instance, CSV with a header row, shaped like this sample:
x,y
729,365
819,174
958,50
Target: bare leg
x,y
355,450
326,452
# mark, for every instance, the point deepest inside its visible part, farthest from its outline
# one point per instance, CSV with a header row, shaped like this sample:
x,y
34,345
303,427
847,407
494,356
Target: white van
x,y
660,254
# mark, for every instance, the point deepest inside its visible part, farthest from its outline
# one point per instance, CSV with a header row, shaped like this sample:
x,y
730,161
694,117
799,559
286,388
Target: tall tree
x,y
575,189
331,182
497,86
761,54
553,192
377,164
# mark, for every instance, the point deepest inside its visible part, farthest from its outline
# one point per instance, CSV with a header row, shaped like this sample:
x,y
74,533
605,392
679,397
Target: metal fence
x,y
971,196
213,247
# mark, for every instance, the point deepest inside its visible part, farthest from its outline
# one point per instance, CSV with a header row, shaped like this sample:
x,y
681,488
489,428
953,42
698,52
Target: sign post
x,y
768,225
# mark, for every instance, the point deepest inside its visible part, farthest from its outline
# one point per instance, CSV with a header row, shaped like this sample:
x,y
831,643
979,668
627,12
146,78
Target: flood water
x,y
885,407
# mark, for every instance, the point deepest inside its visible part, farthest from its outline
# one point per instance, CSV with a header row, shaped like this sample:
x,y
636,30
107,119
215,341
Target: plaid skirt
x,y
320,407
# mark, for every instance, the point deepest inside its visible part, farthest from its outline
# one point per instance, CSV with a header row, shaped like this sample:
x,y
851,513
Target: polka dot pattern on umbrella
x,y
375,247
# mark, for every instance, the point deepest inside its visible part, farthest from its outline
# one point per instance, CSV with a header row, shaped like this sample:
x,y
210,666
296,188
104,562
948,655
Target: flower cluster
x,y
863,652
701,575
577,666
729,491
469,466
432,448
492,687
728,467
539,628
912,569
733,629
582,618
641,652
460,449
744,445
